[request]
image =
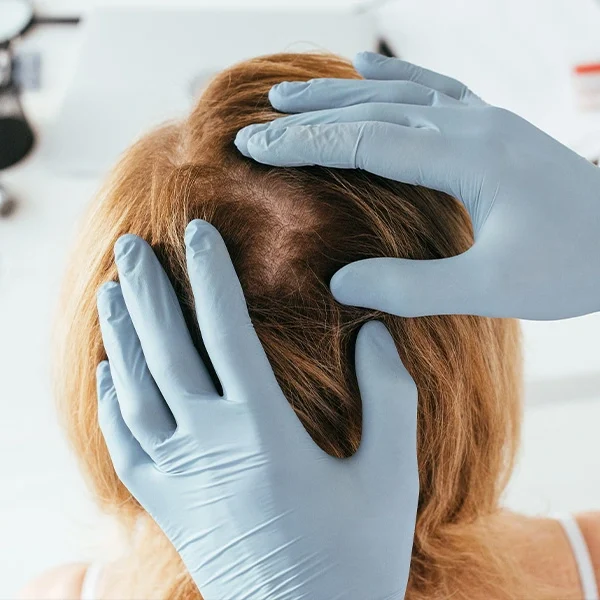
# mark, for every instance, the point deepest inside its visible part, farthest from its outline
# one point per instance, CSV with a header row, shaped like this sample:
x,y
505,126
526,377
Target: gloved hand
x,y
255,508
534,204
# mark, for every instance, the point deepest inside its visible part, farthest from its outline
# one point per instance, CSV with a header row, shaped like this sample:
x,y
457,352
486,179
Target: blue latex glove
x,y
255,508
534,204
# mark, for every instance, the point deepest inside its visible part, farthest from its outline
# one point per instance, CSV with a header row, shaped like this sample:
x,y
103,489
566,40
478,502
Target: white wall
x,y
46,516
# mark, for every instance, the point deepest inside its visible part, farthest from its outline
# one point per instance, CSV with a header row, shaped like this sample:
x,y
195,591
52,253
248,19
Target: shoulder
x,y
60,583
589,523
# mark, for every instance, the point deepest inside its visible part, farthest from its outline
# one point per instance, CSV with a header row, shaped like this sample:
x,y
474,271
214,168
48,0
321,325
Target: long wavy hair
x,y
288,230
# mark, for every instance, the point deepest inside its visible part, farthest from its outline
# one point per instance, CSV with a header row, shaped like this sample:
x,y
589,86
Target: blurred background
x,y
90,76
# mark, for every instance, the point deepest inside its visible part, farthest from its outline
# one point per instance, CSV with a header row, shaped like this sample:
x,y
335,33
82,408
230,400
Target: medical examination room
x,y
300,299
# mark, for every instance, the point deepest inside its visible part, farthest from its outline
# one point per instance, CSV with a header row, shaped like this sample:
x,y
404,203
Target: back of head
x,y
288,231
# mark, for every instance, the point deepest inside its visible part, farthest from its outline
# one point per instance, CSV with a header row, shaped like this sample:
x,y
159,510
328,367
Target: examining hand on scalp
x,y
268,521
231,414
534,204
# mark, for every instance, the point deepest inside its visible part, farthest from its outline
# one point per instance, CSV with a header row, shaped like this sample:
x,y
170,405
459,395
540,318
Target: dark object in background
x,y
384,48
7,203
16,136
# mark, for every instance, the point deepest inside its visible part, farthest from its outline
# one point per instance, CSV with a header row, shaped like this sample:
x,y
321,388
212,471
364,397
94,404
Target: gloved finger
x,y
421,156
408,115
231,342
156,314
389,403
415,288
320,94
125,451
375,66
142,406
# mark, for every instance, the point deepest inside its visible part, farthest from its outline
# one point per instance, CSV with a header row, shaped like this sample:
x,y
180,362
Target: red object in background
x,y
586,85
587,68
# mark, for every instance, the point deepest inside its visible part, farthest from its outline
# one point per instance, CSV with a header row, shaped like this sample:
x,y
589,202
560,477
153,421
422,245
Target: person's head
x,y
288,231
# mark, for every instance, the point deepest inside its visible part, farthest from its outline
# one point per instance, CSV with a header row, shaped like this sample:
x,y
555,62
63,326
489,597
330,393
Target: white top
x,y
587,577
89,587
